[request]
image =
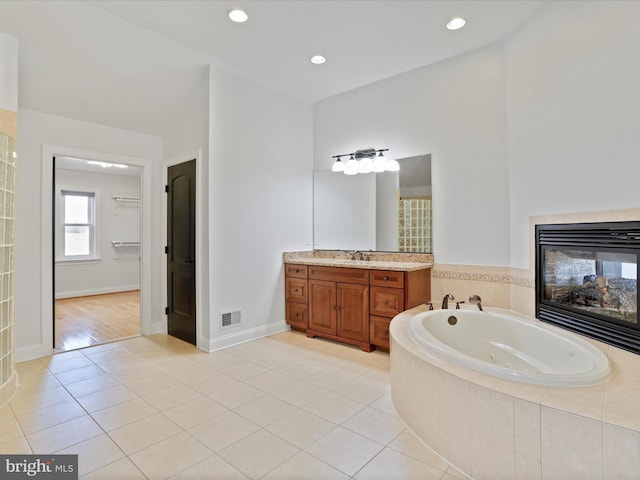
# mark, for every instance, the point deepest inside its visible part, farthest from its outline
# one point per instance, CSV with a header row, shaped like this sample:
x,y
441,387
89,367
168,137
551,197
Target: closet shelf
x,y
122,198
118,243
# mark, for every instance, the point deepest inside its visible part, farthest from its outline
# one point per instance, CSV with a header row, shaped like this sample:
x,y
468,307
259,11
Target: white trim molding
x,y
245,336
45,348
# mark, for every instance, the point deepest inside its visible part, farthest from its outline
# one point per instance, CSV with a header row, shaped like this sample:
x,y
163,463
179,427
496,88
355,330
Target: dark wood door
x,y
181,251
322,306
353,311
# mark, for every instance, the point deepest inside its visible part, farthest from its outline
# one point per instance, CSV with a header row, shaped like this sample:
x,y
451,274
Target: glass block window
x,y
414,224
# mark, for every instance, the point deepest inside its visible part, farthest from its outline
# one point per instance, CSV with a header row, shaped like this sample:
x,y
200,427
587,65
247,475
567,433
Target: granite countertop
x,y
372,264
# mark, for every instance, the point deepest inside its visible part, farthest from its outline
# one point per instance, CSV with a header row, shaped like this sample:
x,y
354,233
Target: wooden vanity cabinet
x,y
296,287
393,292
339,304
351,305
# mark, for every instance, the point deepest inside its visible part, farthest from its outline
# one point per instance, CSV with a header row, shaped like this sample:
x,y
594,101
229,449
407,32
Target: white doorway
x,y
96,248
51,249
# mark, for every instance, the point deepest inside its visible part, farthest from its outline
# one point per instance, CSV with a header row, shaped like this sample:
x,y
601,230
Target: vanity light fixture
x,y
365,161
238,16
456,23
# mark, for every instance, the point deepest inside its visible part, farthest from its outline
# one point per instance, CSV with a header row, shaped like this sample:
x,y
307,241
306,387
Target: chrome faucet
x,y
445,300
477,300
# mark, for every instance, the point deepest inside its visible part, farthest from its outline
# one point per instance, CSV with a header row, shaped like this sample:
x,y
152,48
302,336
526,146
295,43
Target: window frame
x,y
92,194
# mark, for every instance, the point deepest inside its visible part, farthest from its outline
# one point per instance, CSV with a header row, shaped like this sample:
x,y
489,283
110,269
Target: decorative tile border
x,y
483,277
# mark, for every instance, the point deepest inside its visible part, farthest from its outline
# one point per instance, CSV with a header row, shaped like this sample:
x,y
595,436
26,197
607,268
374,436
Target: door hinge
x,y
166,310
166,188
166,249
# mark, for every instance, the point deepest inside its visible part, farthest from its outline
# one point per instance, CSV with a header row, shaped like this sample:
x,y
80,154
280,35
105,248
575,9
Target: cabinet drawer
x,y
296,271
387,278
386,302
379,331
296,290
297,315
339,274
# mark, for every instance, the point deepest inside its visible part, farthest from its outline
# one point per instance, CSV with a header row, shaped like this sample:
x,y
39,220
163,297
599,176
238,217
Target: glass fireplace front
x,y
587,280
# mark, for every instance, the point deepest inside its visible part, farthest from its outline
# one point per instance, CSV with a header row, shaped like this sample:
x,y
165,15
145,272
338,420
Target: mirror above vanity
x,y
389,211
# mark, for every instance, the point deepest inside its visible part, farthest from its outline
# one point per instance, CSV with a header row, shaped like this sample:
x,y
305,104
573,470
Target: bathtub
x,y
510,347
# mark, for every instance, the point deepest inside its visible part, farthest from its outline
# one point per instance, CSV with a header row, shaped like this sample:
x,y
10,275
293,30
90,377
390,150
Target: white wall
x,y
455,111
9,73
118,269
260,201
186,139
34,130
573,108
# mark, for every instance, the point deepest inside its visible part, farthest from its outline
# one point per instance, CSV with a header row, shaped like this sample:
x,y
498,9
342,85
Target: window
x,y
78,225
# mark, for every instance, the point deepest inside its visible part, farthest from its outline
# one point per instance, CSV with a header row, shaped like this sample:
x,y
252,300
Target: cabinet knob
x,y
297,271
295,290
385,302
385,278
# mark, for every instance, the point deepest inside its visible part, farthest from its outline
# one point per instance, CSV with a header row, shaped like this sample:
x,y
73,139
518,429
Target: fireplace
x,y
587,280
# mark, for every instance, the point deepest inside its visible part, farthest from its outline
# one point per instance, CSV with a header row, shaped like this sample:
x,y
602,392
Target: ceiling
x,y
131,64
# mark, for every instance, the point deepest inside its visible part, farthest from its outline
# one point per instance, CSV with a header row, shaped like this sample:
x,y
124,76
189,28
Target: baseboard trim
x,y
96,291
31,352
244,336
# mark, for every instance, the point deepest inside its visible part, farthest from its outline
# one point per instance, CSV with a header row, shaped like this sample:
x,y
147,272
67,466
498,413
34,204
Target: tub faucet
x,y
477,300
445,300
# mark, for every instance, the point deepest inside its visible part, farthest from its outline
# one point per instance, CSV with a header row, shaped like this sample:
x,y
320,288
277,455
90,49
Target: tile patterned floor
x,y
283,407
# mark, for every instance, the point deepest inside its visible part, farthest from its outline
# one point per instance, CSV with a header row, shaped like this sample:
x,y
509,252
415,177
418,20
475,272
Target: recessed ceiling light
x,y
456,23
238,16
318,59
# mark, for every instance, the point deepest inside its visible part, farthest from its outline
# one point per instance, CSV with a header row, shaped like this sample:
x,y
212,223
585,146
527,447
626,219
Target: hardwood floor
x,y
85,321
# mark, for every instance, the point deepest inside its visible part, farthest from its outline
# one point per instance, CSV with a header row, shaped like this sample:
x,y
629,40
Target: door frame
x,y
201,342
48,153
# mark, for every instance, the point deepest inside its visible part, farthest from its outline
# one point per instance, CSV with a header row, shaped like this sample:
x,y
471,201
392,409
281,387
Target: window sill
x,y
77,261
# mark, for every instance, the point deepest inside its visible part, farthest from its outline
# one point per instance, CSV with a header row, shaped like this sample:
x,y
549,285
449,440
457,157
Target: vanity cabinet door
x,y
295,270
387,302
387,278
353,311
296,290
323,306
379,332
297,315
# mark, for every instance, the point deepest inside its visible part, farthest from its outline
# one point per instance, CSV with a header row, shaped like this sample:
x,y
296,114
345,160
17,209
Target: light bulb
x,y
379,164
351,168
365,165
338,166
392,166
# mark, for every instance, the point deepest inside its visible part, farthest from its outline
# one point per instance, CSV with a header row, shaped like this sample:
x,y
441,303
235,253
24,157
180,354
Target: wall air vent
x,y
230,318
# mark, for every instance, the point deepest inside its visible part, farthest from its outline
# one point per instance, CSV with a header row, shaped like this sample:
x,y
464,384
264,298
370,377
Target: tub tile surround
x,y
515,430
